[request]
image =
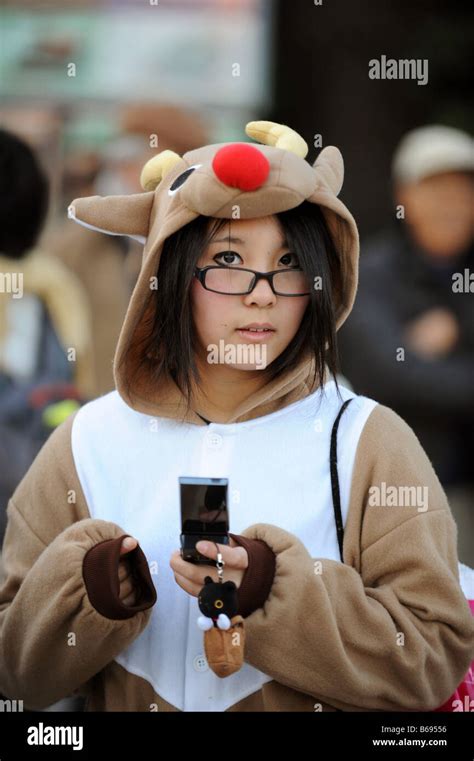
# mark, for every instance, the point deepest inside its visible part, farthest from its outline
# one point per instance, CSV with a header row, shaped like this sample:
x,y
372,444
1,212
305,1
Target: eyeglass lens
x,y
233,280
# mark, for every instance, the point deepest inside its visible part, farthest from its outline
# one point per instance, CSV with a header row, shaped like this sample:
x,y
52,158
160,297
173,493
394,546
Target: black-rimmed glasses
x,y
238,281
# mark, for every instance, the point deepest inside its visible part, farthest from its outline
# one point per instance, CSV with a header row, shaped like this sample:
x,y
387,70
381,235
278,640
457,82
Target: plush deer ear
x,y
115,215
330,166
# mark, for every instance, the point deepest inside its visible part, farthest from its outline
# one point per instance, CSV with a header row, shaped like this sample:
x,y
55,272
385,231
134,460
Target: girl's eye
x,y
226,254
288,263
285,259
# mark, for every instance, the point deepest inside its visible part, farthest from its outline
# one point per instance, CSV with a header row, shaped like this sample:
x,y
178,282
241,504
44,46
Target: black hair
x,y
168,335
24,196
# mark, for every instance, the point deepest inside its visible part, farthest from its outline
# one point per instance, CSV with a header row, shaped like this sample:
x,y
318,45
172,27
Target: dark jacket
x,y
398,283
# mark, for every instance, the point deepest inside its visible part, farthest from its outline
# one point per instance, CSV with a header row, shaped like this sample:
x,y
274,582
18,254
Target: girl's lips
x,y
252,335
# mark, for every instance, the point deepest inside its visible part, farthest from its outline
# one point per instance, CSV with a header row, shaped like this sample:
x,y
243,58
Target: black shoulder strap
x,y
336,497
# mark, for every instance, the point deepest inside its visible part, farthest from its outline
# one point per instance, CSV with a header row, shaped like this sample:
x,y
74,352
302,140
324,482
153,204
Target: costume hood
x,y
259,179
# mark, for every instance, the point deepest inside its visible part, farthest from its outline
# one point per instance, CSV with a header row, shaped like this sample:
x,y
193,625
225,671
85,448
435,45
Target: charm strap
x,y
220,564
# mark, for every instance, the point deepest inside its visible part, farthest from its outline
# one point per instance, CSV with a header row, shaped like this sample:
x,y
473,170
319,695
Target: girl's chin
x,y
247,368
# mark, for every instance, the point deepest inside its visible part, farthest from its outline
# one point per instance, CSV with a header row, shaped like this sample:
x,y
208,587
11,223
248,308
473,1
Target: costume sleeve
x,y
390,629
48,622
100,570
258,577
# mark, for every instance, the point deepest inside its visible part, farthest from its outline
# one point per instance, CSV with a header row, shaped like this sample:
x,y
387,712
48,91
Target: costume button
x,y
214,440
200,663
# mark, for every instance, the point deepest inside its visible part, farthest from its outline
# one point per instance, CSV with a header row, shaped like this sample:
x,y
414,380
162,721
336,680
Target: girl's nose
x,y
261,294
241,165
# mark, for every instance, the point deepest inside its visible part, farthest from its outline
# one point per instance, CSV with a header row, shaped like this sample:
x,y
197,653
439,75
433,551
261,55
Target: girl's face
x,y
256,244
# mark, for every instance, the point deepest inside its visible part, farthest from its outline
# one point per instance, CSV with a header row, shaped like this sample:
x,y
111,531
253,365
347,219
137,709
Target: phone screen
x,y
204,515
204,506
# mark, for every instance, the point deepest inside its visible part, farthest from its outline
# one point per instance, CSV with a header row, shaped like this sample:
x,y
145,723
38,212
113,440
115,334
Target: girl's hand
x,y
190,576
127,590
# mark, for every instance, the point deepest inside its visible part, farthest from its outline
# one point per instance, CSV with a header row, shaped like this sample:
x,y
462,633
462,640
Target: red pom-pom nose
x,y
241,166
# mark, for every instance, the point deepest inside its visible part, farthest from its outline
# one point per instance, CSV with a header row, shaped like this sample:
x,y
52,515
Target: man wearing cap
x,y
410,339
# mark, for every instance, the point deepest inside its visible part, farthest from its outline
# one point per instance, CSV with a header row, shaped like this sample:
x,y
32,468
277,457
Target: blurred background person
x,y
108,266
98,260
410,340
45,328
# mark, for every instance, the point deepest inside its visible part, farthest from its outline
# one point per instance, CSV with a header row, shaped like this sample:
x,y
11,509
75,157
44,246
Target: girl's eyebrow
x,y
226,239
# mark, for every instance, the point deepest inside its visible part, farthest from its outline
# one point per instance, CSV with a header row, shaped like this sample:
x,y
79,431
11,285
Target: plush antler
x,y
156,168
278,135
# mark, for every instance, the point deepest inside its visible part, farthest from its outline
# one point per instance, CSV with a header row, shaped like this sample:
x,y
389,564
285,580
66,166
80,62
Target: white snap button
x,y
200,663
214,441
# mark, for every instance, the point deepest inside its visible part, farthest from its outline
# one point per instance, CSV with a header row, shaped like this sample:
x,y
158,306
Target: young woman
x,y
238,238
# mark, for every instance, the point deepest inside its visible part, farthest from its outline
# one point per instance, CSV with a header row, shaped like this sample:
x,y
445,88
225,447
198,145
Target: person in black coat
x,y
410,339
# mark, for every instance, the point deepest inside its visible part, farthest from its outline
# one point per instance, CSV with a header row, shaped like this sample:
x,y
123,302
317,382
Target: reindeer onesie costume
x,y
320,634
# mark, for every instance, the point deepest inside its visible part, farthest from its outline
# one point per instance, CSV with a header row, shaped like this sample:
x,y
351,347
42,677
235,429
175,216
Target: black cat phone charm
x,y
223,627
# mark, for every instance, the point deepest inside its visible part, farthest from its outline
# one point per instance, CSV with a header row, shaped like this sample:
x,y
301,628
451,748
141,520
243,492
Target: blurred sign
x,y
202,54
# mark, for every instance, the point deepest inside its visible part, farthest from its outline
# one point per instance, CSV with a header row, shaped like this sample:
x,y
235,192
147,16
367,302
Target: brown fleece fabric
x,y
258,577
100,570
327,639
